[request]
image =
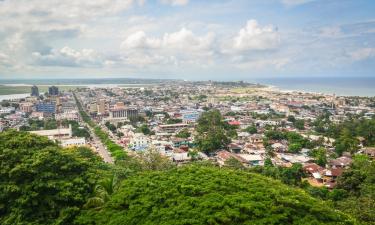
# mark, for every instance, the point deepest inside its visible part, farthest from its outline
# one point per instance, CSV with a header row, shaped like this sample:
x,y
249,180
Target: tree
x,y
234,163
184,133
199,194
320,156
211,133
359,182
291,118
144,129
299,124
294,147
41,183
346,142
251,129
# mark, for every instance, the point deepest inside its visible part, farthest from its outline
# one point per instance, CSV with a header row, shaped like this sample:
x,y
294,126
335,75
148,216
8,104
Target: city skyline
x,y
186,39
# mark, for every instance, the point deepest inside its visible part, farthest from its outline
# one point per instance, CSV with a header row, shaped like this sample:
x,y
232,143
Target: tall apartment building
x,y
35,91
53,90
101,106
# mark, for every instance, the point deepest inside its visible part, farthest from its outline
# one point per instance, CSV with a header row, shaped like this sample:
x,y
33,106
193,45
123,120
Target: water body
x,y
343,86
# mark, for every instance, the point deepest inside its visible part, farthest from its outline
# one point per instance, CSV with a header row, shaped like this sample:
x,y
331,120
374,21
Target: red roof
x,y
235,123
312,168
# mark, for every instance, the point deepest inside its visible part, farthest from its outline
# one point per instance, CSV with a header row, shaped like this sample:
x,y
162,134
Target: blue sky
x,y
186,39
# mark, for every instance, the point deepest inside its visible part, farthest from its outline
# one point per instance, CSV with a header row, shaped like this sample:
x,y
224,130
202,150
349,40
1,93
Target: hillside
x,y
209,195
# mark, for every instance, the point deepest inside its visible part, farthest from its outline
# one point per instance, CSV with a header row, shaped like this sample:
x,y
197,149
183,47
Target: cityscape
x,y
187,112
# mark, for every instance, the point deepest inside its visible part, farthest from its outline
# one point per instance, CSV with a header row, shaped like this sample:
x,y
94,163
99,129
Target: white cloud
x,y
295,2
362,54
5,60
174,48
175,2
183,39
139,40
255,37
69,57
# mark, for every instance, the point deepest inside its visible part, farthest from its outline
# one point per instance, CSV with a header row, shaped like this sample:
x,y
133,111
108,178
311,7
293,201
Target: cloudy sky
x,y
188,39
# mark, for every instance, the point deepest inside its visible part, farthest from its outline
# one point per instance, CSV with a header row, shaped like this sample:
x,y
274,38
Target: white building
x,y
71,142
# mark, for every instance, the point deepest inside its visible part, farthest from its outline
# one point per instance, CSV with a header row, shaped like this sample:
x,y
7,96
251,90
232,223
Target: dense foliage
x,y
41,183
209,195
212,132
359,183
347,132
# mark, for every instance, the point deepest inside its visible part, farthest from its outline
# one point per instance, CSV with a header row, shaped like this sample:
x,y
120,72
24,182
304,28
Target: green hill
x,y
209,195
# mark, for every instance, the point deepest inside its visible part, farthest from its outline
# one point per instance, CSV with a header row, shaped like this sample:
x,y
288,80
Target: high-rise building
x,y
101,106
53,90
35,91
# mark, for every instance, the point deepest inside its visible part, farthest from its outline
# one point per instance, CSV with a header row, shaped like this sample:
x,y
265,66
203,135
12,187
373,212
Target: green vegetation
x,y
295,141
347,132
199,194
251,129
354,193
184,133
47,124
359,183
173,121
144,129
77,130
41,183
212,132
111,127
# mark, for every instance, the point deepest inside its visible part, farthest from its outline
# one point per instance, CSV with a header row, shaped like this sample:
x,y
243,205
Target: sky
x,y
186,39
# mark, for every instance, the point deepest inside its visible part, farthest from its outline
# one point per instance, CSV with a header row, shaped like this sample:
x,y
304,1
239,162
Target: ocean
x,y
342,86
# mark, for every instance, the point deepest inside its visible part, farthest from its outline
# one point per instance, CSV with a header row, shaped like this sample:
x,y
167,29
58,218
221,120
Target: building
x,y
26,107
171,128
119,105
35,91
101,106
72,142
47,107
72,115
56,134
139,142
190,116
53,90
123,113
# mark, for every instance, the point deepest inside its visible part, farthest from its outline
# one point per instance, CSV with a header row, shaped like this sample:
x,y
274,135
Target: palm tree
x,y
102,192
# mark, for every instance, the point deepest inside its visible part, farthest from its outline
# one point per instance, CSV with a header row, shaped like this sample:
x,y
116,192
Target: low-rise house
x,y
223,155
369,151
253,159
139,142
341,162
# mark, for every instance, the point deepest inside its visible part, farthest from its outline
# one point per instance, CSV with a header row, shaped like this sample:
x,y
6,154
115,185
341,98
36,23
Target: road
x,y
99,147
96,143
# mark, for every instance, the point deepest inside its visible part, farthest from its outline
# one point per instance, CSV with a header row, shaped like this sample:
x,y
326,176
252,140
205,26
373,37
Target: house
x,y
256,139
341,162
369,151
223,155
279,147
234,148
139,142
253,159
